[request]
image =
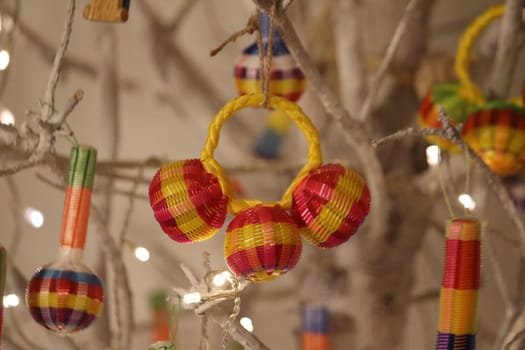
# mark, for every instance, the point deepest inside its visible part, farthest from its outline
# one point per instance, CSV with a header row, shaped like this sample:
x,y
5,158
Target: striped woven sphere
x,y
187,201
65,298
449,97
496,132
286,79
331,202
262,243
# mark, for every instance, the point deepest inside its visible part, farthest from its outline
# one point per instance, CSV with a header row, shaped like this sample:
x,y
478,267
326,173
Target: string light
x,y
467,201
433,155
220,278
6,117
142,254
247,323
11,300
4,59
34,217
191,298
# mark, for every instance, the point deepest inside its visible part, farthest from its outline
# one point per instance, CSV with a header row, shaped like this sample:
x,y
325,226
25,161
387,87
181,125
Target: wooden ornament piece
x,y
107,10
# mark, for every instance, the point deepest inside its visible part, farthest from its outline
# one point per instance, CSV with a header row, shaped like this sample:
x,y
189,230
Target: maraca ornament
x,y
187,201
331,202
263,241
66,296
496,132
460,286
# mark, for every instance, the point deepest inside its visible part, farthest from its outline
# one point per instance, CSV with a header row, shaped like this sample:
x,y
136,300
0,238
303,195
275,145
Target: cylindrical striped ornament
x,y
449,97
3,272
262,243
161,328
187,201
496,132
315,325
66,296
460,286
330,203
162,345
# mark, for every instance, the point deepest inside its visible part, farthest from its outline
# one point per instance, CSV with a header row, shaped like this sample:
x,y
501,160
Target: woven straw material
x,y
456,106
162,345
497,134
460,286
65,300
187,201
330,203
262,243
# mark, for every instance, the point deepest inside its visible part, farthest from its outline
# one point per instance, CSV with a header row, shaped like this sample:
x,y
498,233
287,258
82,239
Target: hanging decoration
x,y
285,80
191,198
460,286
458,99
515,185
315,324
3,272
496,132
162,345
65,296
161,327
107,10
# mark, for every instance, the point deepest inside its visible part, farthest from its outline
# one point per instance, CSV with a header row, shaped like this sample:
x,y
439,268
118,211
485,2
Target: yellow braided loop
x,y
470,90
313,160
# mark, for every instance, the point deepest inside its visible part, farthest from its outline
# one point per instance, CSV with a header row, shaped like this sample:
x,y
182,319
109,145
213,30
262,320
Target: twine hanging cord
x,y
313,160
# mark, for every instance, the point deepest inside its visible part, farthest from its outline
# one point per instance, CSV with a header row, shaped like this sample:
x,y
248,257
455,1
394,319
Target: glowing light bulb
x,y
142,254
467,201
433,155
219,280
191,298
6,117
11,300
34,217
247,324
4,59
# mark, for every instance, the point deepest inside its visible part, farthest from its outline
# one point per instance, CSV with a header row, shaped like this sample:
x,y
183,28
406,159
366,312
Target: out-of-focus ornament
x,y
162,345
65,296
460,286
515,185
496,132
315,324
263,240
160,317
107,10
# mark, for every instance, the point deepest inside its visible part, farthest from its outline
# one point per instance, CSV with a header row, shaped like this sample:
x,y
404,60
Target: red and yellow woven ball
x,y
187,201
330,203
262,243
496,132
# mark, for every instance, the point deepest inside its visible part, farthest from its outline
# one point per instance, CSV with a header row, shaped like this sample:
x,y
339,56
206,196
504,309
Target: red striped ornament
x,y
496,132
262,243
331,202
187,201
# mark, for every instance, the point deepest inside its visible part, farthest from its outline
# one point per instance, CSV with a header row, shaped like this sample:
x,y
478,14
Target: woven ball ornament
x,y
331,202
262,243
286,79
497,134
66,296
187,201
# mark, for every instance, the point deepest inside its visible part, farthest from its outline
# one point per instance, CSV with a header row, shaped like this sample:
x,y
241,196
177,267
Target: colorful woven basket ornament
x,y
263,240
107,10
496,132
162,345
286,80
460,286
316,331
65,296
3,272
457,99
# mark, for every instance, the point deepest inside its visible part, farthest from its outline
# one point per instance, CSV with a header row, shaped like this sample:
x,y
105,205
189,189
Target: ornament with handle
x,y
65,296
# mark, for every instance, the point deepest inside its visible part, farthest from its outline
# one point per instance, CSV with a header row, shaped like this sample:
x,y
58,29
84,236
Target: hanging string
x,y
205,342
467,175
234,314
250,28
174,319
444,191
266,63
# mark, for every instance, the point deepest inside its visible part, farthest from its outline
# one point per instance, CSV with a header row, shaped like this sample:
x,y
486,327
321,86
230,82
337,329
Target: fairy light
x,y
6,117
34,217
220,278
467,201
142,254
247,323
433,155
10,300
4,59
191,298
